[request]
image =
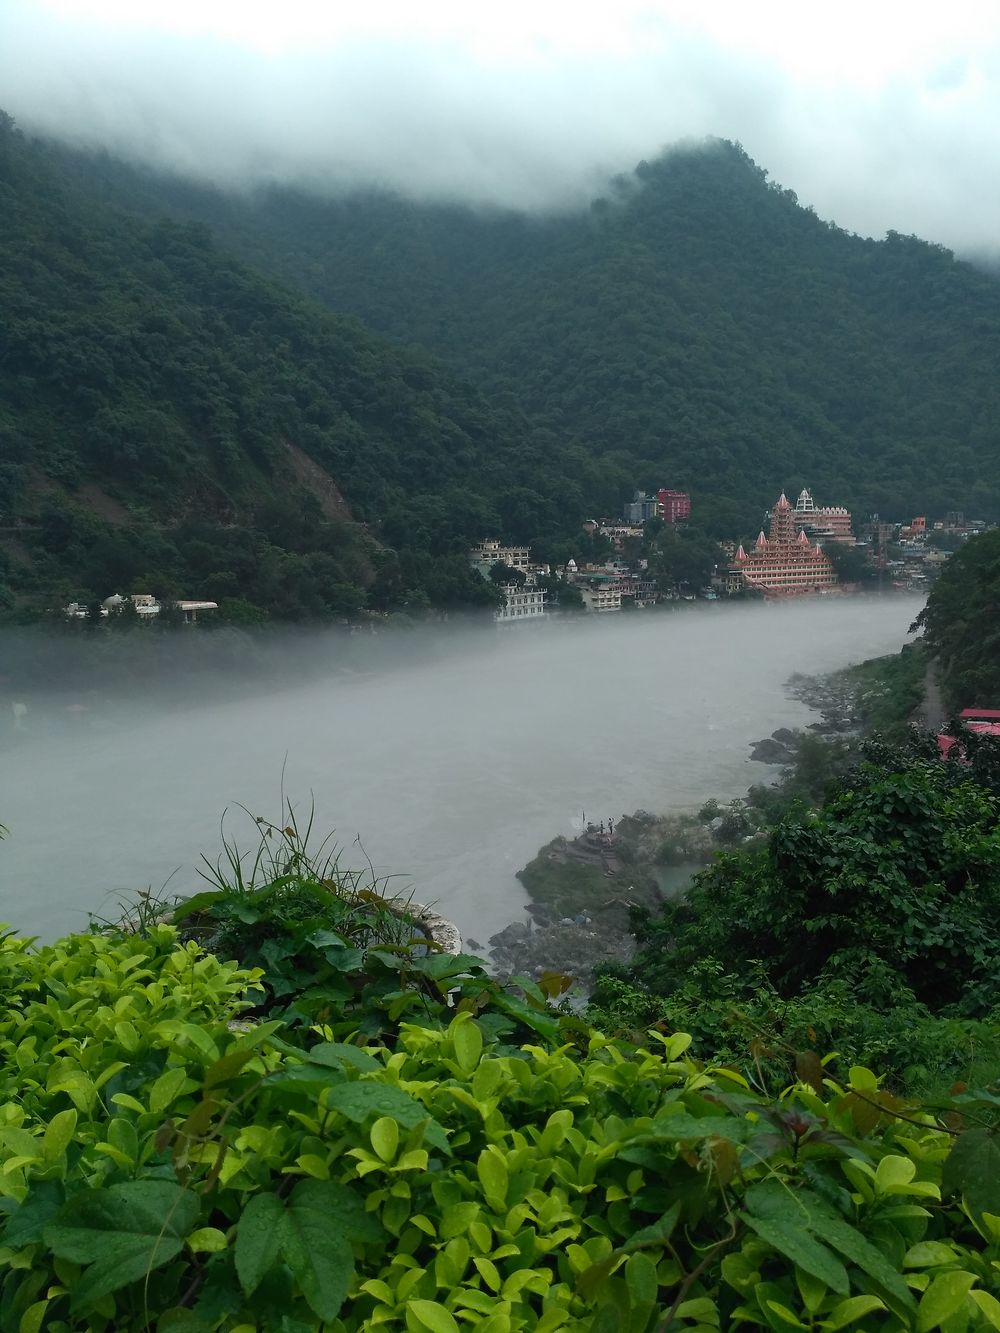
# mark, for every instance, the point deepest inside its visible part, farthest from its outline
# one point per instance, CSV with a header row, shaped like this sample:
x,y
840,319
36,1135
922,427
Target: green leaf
x,y
26,1223
894,1171
863,1079
989,1306
641,1280
198,902
259,1236
468,1040
315,1246
493,1177
930,1254
33,1319
227,1067
657,1232
357,1101
432,1316
702,1308
942,1298
207,1240
488,1272
769,1199
972,1168
338,1053
166,1088
58,1135
122,1233
796,1244
384,1135
850,1311
787,1317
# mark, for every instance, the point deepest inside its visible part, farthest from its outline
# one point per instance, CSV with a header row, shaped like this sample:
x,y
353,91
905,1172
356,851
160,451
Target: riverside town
x,y
806,550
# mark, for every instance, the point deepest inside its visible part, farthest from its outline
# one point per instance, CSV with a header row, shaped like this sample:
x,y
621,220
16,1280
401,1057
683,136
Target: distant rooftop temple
x,y
829,524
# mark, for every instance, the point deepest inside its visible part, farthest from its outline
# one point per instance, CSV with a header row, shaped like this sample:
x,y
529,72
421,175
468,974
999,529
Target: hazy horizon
x,y
876,123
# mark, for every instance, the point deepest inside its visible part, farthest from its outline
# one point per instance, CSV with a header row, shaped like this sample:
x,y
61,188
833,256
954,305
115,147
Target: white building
x,y
489,553
145,605
601,596
522,603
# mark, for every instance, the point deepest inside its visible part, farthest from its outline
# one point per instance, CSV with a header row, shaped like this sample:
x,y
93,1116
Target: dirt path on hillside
x,y
933,711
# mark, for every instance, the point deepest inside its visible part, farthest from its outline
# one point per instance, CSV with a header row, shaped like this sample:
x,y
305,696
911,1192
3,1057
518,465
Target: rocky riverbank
x,y
584,889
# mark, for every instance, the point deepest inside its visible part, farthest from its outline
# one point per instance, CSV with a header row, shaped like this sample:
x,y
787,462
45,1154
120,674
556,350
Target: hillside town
x,y
806,550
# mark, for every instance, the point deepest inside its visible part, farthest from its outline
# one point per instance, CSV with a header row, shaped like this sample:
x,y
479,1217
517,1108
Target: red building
x,y
784,564
985,721
673,505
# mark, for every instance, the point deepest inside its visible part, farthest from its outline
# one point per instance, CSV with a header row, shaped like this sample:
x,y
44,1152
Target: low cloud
x,y
914,152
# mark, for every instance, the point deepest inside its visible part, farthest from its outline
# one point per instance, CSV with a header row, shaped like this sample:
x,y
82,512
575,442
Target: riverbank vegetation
x,y
961,624
178,1158
860,921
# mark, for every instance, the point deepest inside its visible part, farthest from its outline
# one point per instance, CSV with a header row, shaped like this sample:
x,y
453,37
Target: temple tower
x,y
782,523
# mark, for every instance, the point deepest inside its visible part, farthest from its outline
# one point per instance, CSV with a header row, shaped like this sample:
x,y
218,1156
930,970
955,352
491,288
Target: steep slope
x,y
698,326
171,420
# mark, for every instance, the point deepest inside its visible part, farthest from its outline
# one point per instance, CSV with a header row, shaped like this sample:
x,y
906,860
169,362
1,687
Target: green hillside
x,y
171,421
696,327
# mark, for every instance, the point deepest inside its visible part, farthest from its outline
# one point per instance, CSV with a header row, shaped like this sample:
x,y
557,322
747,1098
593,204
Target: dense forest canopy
x,y
171,421
696,327
961,623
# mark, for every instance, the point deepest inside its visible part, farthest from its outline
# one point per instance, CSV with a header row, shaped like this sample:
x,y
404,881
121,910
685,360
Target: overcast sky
x,y
879,113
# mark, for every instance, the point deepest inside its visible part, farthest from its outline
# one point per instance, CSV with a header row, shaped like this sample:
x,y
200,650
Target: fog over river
x,y
453,768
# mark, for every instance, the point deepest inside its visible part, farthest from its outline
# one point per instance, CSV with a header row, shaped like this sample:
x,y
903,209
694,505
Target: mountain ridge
x,y
171,419
696,326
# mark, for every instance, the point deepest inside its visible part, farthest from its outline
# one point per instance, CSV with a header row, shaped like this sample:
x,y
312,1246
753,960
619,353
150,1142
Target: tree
x,y
892,886
506,577
961,623
852,563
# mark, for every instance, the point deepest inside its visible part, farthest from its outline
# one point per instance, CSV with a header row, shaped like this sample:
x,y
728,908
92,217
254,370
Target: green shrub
x,y
161,1171
330,946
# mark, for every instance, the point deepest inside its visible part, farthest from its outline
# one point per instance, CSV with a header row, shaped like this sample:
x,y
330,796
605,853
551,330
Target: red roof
x,y
981,728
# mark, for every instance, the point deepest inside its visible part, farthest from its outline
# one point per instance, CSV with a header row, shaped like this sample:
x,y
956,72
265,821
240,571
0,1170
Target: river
x,y
453,771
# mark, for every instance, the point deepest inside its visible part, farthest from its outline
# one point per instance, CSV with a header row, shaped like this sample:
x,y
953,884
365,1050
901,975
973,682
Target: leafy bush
x,y
891,884
162,1171
746,1024
330,946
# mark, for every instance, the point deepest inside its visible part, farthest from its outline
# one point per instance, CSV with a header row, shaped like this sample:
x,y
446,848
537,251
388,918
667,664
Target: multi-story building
x,y
489,553
673,506
783,564
641,508
619,533
522,602
916,532
831,523
601,594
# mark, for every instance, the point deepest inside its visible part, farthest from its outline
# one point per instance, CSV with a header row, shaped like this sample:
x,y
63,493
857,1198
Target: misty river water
x,y
453,771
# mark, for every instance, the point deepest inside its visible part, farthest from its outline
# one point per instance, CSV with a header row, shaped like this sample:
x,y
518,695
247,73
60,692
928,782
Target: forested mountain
x,y
961,624
171,421
696,327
